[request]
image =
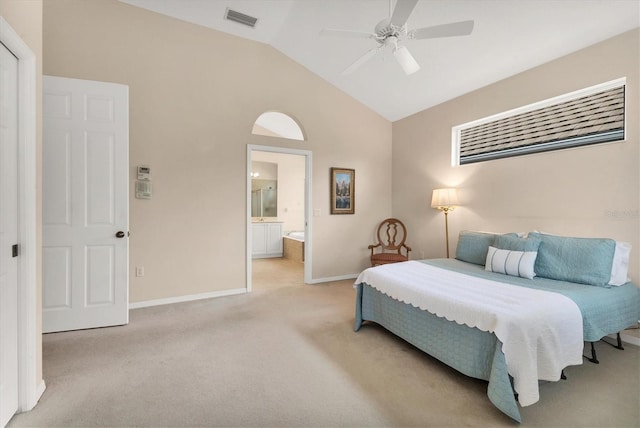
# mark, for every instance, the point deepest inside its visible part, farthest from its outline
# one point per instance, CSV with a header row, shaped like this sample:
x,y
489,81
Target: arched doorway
x,y
283,174
287,224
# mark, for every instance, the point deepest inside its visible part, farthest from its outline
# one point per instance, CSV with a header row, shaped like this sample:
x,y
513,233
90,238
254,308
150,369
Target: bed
x,y
475,348
293,246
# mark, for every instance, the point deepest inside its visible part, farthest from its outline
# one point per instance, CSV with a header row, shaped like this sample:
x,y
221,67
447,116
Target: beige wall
x,y
590,191
25,17
194,96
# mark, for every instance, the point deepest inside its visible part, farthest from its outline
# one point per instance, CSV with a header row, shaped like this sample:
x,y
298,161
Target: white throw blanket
x,y
540,331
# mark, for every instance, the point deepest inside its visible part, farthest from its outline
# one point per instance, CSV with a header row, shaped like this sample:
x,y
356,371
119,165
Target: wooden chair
x,y
391,237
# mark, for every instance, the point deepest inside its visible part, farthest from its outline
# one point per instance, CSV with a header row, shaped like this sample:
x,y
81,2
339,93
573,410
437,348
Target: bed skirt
x,y
470,351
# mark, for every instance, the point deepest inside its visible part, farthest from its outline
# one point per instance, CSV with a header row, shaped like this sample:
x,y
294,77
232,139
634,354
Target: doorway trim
x,y
307,206
29,389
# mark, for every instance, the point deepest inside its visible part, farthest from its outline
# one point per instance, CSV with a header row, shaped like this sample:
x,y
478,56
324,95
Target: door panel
x,y
99,265
56,274
85,203
100,151
56,191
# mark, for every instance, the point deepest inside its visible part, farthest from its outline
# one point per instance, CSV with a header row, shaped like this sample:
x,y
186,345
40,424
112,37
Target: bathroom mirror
x,y
264,189
264,198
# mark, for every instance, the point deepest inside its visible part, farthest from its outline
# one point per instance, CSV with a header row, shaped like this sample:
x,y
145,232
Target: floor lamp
x,y
445,200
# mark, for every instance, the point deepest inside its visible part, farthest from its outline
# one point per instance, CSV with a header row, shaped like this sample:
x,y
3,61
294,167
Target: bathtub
x,y
293,246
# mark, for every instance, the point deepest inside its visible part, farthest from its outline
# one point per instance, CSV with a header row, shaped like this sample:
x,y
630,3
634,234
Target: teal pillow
x,y
473,246
580,260
515,243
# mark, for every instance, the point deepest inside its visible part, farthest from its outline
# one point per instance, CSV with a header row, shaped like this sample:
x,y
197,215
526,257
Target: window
x,y
276,124
588,116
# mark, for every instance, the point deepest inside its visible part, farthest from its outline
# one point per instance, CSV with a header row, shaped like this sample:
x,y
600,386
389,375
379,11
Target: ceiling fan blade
x,y
406,60
347,33
462,28
364,58
402,11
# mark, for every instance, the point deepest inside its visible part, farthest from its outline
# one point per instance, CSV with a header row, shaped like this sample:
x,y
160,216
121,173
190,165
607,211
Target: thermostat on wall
x,y
143,184
143,189
144,172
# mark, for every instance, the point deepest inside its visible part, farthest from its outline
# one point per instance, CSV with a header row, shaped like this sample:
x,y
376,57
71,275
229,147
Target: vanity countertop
x,y
265,220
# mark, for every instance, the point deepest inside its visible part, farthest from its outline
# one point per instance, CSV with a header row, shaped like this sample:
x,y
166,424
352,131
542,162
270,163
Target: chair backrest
x,y
392,235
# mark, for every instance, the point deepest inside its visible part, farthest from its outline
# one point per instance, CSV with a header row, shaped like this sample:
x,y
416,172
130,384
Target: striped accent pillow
x,y
513,263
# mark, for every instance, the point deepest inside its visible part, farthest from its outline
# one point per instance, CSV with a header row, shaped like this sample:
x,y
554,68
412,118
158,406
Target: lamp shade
x,y
444,198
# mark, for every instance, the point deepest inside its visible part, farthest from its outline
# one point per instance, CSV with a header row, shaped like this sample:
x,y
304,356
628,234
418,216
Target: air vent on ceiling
x,y
240,18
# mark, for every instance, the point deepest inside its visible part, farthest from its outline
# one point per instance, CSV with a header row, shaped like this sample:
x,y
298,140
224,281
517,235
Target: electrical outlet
x,y
139,270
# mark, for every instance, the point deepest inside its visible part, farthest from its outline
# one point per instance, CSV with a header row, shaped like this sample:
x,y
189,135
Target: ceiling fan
x,y
391,32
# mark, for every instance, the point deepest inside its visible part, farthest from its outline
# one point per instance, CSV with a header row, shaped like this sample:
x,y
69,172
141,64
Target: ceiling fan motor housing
x,y
385,29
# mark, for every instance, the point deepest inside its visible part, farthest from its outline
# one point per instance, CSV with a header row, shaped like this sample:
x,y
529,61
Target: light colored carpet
x,y
268,274
288,357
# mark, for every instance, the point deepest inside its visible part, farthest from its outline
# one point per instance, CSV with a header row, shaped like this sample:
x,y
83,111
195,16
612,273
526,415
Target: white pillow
x,y
620,265
514,263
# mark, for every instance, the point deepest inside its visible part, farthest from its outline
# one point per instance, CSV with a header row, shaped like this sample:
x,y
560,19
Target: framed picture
x,y
343,195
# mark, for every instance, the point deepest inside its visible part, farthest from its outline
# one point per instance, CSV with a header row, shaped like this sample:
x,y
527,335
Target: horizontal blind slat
x,y
579,121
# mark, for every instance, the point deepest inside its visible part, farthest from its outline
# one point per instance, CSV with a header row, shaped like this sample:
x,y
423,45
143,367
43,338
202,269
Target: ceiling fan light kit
x,y
406,60
393,31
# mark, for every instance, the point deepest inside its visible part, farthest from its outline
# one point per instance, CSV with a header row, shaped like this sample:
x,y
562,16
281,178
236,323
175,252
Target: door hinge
x,y
14,250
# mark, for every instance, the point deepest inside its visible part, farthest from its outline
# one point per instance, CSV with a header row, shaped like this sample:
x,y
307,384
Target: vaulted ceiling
x,y
509,36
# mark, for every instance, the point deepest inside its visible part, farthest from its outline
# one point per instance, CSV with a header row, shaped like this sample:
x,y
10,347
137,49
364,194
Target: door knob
x,y
120,234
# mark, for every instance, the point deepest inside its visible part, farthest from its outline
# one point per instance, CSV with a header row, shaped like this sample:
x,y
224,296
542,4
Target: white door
x,y
85,207
8,235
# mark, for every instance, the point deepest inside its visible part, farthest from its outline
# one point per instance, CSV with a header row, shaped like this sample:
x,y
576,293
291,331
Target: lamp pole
x,y
446,226
445,200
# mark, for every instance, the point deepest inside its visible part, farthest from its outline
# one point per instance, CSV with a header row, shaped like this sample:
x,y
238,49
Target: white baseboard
x,y
187,298
224,293
334,278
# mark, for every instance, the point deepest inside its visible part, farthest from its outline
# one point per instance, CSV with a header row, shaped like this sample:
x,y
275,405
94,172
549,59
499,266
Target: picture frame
x,y
343,195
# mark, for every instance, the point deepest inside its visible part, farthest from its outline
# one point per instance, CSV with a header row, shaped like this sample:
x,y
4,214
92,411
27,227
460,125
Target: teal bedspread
x,y
604,310
477,353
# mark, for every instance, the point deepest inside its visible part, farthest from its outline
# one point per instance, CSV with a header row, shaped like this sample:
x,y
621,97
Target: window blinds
x,y
597,117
